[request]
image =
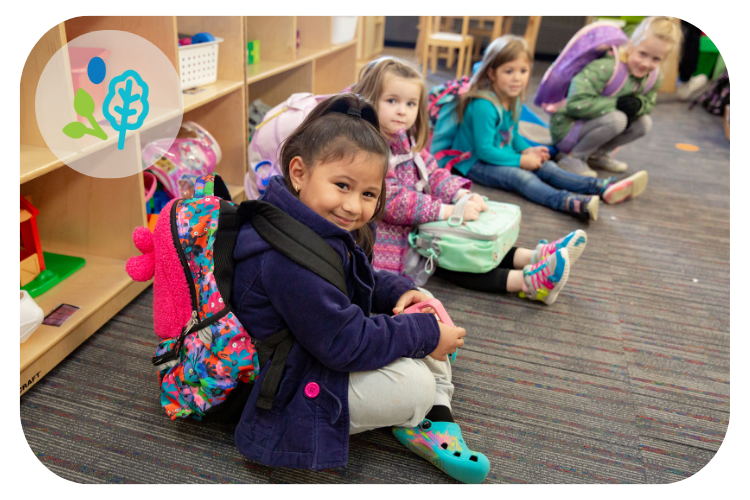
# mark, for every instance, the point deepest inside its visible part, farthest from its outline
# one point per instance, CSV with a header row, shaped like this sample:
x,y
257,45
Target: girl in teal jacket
x,y
499,157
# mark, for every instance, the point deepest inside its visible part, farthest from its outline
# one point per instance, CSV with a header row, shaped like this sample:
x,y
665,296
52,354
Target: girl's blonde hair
x,y
372,78
504,49
661,27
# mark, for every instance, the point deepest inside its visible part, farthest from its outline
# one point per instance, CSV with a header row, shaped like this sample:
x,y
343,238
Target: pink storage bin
x,y
79,62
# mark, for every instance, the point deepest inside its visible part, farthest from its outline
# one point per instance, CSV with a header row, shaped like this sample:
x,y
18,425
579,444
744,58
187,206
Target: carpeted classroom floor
x,y
625,379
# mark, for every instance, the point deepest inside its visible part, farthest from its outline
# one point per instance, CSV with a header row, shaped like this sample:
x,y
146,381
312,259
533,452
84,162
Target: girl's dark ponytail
x,y
339,127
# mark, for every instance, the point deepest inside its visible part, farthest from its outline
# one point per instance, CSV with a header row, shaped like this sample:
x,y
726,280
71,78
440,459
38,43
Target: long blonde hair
x,y
370,86
661,27
504,49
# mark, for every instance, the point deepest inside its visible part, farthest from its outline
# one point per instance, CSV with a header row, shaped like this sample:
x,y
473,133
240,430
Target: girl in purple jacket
x,y
348,371
398,92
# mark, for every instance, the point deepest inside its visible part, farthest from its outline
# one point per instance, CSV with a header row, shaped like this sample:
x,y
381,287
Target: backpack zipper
x,y
173,353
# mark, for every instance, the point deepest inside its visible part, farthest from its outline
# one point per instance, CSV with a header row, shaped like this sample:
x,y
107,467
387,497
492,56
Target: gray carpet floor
x,y
625,379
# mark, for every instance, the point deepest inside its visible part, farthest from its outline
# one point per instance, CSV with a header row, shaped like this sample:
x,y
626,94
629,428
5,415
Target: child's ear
x,y
297,171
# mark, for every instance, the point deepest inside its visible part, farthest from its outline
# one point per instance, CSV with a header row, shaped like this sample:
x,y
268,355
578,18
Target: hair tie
x,y
354,111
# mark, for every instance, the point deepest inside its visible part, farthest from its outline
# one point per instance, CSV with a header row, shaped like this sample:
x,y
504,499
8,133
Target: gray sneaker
x,y
691,87
576,166
606,163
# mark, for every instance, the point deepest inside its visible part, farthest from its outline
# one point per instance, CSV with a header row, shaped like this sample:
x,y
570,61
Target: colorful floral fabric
x,y
214,359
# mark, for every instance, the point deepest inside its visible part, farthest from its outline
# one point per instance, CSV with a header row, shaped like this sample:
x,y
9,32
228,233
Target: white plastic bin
x,y
198,63
31,316
343,29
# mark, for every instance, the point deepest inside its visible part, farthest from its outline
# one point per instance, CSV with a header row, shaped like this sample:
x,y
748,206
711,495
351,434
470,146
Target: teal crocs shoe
x,y
441,443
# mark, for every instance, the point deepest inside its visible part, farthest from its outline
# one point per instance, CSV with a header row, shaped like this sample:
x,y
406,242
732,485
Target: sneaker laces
x,y
539,275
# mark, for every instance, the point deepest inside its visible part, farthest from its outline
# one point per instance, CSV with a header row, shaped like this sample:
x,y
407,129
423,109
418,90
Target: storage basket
x,y
198,63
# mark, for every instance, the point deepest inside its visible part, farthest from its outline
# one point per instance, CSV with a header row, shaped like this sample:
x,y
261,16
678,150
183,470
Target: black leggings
x,y
495,281
691,46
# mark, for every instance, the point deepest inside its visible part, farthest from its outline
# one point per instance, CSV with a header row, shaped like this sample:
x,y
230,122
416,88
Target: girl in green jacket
x,y
591,125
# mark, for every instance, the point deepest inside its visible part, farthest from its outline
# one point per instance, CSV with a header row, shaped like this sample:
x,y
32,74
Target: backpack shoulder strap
x,y
211,185
652,77
294,240
618,78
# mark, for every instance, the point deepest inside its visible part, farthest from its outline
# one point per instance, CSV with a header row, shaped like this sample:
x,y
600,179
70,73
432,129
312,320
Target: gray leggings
x,y
602,135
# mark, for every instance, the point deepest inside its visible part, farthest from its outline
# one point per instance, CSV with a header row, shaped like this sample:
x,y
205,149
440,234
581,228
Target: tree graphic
x,y
125,98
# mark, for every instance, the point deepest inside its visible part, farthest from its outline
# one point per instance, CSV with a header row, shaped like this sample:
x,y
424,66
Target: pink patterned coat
x,y
406,207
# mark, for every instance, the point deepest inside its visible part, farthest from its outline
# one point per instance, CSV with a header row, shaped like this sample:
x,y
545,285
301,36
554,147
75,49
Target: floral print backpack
x,y
206,360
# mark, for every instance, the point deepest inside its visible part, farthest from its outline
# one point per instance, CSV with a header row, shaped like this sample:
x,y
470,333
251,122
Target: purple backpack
x,y
591,42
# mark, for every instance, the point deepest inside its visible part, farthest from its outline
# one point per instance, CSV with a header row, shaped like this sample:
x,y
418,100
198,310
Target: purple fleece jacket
x,y
334,333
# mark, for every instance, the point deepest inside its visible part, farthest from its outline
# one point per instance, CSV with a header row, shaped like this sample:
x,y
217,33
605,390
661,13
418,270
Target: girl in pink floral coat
x,y
398,92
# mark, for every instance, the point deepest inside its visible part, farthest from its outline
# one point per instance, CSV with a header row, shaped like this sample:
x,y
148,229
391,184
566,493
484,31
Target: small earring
x,y
296,188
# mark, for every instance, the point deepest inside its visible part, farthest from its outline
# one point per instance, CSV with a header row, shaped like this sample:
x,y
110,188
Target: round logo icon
x,y
103,97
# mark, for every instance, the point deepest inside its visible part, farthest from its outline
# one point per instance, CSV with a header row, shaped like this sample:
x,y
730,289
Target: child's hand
x,y
408,299
543,151
483,206
451,338
531,160
474,207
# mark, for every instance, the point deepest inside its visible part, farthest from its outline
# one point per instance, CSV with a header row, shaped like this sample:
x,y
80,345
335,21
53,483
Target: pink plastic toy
x,y
436,305
441,314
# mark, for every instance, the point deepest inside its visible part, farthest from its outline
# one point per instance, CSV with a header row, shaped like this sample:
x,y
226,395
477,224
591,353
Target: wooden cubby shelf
x,y
94,218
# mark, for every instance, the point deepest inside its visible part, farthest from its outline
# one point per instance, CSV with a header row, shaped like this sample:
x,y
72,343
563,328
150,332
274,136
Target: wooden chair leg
x,y
425,53
433,58
450,58
532,30
460,66
508,25
469,63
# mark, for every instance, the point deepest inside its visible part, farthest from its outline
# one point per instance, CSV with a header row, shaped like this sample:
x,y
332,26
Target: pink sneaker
x,y
629,187
574,242
544,280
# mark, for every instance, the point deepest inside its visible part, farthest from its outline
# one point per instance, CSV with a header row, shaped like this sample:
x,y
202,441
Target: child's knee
x,y
644,125
422,388
617,121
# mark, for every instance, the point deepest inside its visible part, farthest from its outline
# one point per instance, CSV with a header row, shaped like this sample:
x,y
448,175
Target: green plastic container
x,y
707,57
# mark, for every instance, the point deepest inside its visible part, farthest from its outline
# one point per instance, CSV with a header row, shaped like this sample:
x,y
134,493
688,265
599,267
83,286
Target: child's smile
x,y
646,56
344,192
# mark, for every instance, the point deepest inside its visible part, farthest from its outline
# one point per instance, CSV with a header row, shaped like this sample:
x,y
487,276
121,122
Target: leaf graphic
x,y
75,130
84,104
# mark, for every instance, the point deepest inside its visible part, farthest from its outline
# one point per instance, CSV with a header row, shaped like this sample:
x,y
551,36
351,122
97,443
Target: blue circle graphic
x,y
96,70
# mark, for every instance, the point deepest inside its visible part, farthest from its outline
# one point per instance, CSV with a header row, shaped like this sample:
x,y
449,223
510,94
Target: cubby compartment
x,y
80,214
335,71
314,35
276,89
36,157
230,74
277,36
159,30
225,120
